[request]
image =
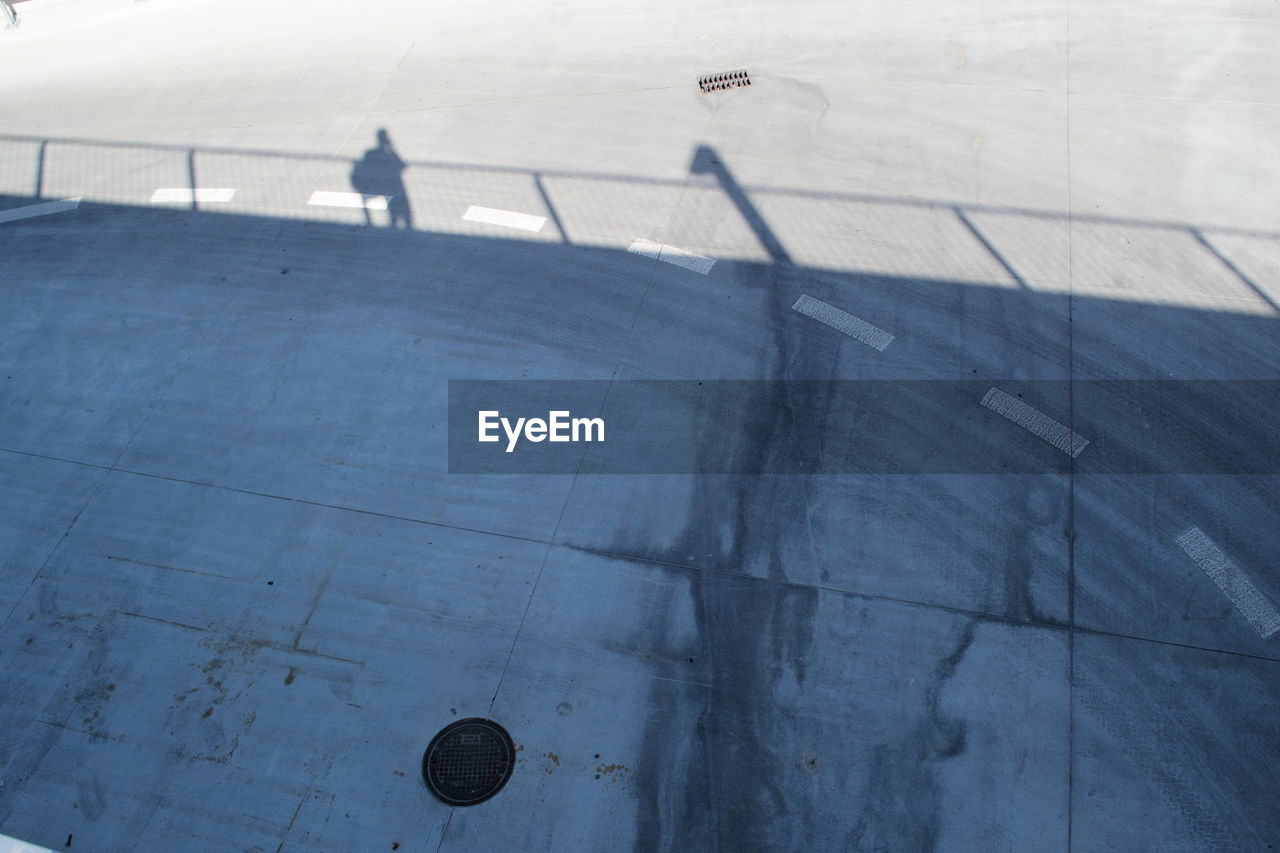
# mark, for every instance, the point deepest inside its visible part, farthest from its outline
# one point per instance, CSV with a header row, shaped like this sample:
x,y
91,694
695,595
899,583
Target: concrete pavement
x,y
241,589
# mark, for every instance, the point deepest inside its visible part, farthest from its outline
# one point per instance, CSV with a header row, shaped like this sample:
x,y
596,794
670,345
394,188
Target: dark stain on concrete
x,y
726,787
900,804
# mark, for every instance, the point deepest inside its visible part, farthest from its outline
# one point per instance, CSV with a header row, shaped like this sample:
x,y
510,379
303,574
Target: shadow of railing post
x,y
40,168
986,244
1235,270
551,208
707,161
191,175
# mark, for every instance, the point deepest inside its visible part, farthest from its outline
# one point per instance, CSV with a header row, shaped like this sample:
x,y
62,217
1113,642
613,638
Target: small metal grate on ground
x,y
727,80
468,761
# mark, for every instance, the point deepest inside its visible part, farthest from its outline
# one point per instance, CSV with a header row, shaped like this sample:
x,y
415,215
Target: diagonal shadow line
x,y
44,143
1226,262
191,175
555,216
707,161
990,248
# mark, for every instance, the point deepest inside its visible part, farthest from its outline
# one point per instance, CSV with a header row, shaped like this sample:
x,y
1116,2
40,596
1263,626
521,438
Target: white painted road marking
x,y
1035,421
509,218
325,198
39,209
13,845
186,195
1260,612
672,255
842,321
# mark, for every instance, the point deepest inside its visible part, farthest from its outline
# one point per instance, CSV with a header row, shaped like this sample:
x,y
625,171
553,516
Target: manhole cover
x,y
468,761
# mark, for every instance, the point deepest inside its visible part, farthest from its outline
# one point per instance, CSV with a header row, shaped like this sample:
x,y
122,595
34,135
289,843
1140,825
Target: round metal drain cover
x,y
468,761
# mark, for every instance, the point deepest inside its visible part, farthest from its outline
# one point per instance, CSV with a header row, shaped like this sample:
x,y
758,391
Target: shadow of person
x,y
377,176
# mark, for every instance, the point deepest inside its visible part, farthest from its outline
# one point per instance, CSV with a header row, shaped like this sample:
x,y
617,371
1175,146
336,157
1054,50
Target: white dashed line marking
x,y
185,195
672,255
326,198
1035,421
842,321
14,845
508,218
39,209
1233,582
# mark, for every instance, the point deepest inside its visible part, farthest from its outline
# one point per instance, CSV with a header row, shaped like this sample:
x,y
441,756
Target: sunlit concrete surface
x,y
242,259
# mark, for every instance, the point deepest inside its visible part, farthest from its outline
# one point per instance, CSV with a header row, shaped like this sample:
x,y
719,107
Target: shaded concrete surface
x,y
241,590
780,716
1135,713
